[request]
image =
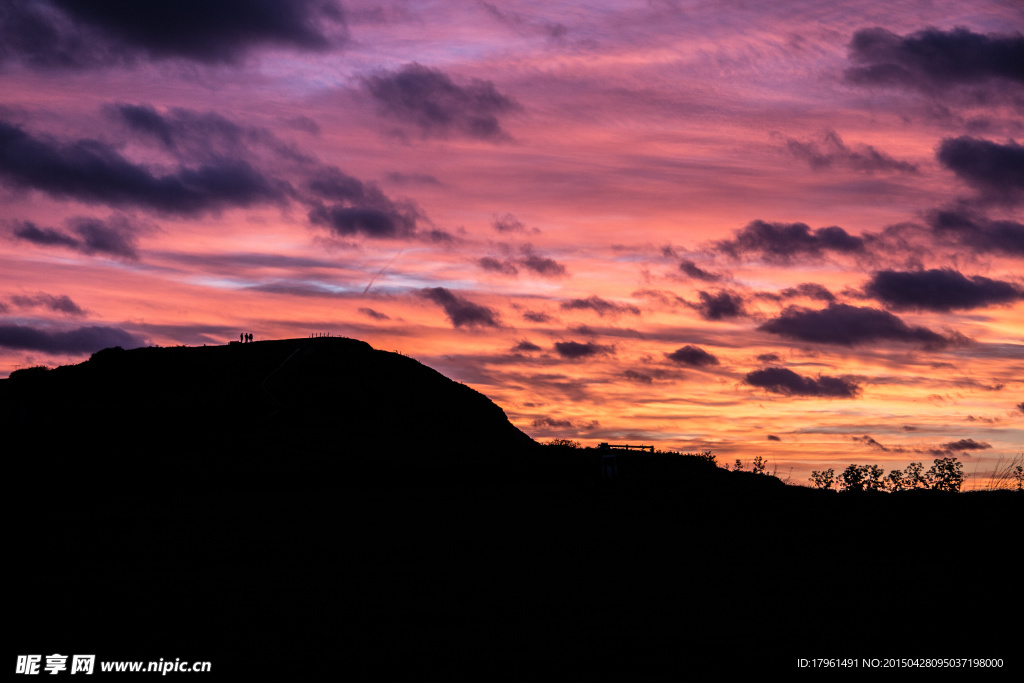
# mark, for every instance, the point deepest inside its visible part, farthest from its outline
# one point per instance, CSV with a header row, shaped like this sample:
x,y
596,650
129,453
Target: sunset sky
x,y
789,229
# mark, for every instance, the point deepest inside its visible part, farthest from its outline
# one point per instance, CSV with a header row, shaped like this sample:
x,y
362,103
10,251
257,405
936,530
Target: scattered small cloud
x,y
638,377
809,290
460,311
112,237
934,60
58,304
994,170
600,306
524,257
939,290
788,383
359,208
830,151
966,445
510,224
537,317
692,270
851,326
552,422
493,265
541,265
782,242
722,305
525,346
430,100
663,297
524,23
806,290
692,356
201,136
376,315
571,350
869,441
554,425
977,233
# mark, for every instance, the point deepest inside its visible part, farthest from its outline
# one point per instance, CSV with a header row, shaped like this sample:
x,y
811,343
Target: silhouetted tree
x,y
565,443
759,465
1018,474
706,456
710,457
823,480
853,478
895,481
738,466
914,476
862,478
946,474
873,478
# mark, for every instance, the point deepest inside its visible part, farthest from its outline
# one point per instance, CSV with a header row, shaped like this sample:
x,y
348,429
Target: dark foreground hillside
x,y
335,393
301,558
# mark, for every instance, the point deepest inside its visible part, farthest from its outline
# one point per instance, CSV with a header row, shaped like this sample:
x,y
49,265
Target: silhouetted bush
x,y
873,478
823,480
858,478
946,474
914,476
895,481
26,373
853,478
707,456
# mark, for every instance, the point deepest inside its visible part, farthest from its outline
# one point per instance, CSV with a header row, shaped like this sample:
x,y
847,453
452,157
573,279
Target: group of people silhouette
x,y
245,337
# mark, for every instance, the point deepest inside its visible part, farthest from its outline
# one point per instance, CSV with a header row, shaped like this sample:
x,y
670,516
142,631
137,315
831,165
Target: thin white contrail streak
x,y
370,283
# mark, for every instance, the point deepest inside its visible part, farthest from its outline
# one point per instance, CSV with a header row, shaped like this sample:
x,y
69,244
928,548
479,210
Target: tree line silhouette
x,y
945,474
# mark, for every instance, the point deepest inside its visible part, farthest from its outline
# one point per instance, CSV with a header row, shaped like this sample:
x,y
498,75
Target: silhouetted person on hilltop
x,y
241,338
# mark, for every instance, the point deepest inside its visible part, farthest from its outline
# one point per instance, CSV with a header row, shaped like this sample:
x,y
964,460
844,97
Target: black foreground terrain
x,y
309,508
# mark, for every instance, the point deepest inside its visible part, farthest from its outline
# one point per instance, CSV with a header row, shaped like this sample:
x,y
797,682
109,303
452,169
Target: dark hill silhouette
x,y
333,395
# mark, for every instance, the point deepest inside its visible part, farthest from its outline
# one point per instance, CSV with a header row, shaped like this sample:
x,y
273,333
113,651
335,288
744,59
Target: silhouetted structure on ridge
x,y
623,447
609,463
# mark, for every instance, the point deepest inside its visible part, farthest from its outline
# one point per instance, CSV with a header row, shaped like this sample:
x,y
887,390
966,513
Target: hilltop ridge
x,y
319,393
